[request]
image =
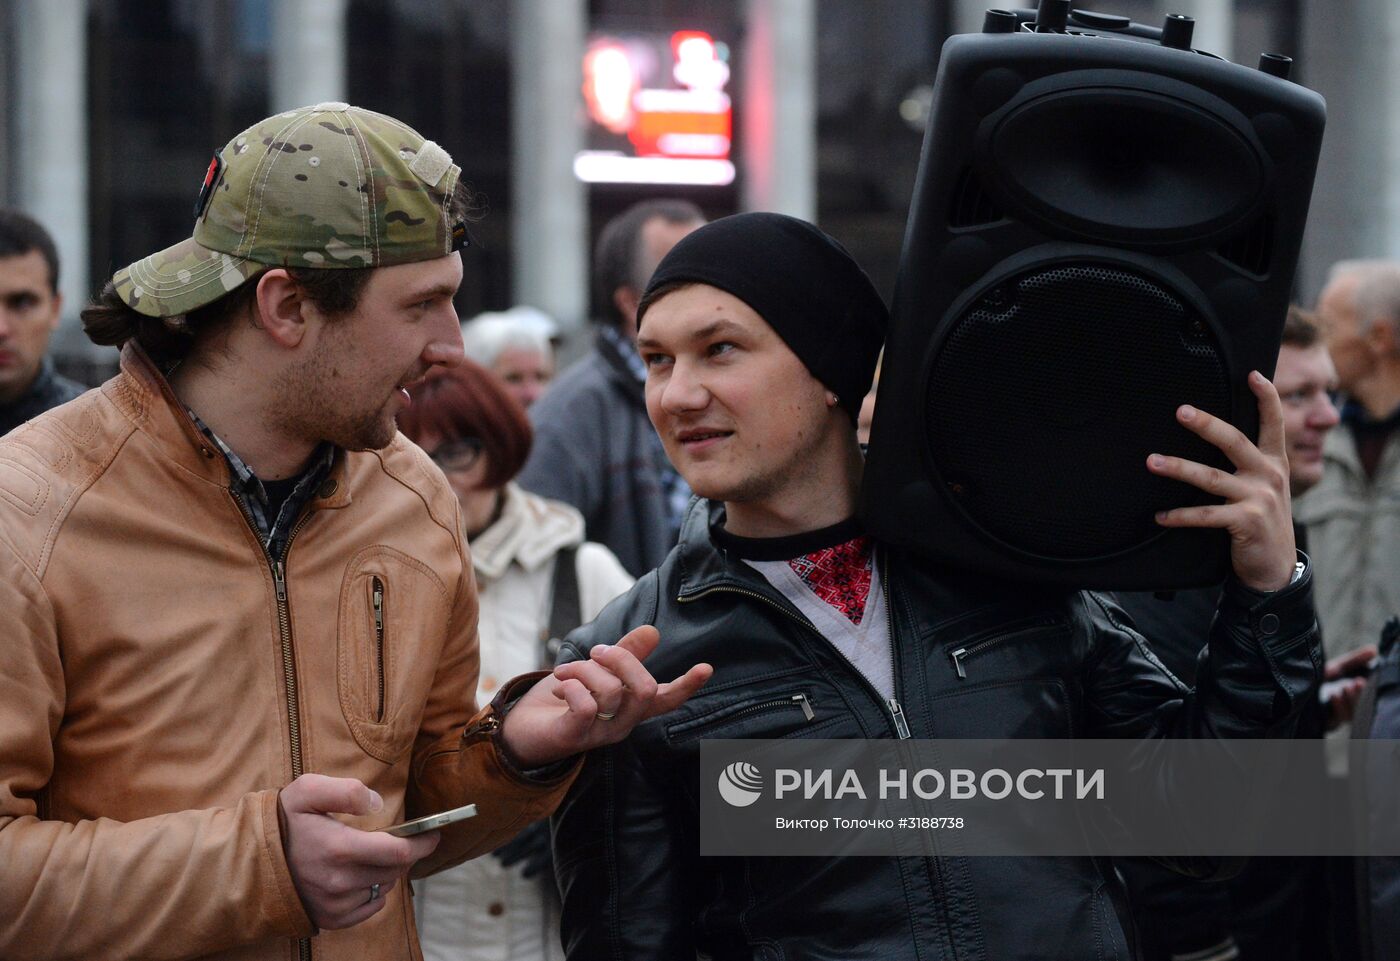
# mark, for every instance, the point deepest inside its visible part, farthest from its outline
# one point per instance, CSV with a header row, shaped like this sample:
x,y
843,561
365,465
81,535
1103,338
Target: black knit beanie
x,y
799,280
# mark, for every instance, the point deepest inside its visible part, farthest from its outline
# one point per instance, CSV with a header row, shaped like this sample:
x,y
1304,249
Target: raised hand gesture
x,y
586,704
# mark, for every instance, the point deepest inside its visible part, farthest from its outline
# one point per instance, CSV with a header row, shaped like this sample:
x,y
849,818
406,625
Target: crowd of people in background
x,y
568,496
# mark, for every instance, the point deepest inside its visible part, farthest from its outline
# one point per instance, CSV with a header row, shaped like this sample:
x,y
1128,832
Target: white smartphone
x,y
432,822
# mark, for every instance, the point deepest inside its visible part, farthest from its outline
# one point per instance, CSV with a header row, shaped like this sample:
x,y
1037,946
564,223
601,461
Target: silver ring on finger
x,y
602,715
374,892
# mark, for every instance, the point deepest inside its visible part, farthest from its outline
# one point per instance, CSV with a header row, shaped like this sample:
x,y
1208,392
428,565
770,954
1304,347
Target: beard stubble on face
x,y
320,403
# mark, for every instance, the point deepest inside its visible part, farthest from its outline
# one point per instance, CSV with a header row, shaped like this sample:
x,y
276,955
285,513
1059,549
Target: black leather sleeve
x,y
1261,666
638,905
625,841
1260,669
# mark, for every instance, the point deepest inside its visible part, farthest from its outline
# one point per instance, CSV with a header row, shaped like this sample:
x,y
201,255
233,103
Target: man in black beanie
x,y
760,335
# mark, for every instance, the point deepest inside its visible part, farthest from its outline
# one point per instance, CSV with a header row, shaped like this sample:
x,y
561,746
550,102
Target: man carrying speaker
x,y
760,335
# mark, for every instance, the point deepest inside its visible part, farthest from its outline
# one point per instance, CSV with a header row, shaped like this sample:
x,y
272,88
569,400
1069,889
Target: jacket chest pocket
x,y
392,622
1009,681
1007,649
792,711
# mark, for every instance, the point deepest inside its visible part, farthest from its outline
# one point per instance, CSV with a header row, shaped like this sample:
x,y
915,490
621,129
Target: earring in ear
x,y
831,399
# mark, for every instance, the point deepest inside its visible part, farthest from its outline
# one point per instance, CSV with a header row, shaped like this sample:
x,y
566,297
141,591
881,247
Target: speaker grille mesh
x,y
1064,380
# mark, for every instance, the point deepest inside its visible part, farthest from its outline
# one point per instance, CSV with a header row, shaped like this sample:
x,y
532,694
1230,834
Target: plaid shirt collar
x,y
627,349
273,531
673,485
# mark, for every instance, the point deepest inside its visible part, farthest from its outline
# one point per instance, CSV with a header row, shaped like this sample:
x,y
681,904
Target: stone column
x,y
7,96
549,205
307,59
50,146
1347,55
780,108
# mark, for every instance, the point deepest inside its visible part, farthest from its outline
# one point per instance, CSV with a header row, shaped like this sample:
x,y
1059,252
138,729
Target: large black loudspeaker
x,y
1105,226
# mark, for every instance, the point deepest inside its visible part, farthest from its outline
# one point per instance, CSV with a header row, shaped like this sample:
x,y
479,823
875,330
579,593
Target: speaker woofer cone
x,y
1056,370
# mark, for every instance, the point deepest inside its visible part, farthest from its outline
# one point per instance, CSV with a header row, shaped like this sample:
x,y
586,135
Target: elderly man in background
x,y
1352,516
517,345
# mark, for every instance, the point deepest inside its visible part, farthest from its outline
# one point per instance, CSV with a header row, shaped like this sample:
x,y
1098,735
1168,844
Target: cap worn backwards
x,y
326,186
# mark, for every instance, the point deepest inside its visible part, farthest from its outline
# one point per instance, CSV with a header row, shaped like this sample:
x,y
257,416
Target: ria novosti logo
x,y
740,784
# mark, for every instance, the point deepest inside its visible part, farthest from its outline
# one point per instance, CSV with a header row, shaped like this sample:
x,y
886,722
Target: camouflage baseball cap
x,y
325,186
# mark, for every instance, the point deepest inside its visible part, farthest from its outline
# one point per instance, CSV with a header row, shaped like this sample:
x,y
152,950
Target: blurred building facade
x,y
113,108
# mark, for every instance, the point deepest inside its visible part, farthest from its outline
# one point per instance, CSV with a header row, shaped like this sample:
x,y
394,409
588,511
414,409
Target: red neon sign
x,y
676,110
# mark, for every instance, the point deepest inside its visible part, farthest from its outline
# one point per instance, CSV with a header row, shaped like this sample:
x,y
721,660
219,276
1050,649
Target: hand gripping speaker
x,y
1105,226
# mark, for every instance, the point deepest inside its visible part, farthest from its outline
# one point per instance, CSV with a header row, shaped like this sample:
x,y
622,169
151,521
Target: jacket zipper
x,y
933,865
801,700
379,644
972,650
901,725
289,673
489,725
892,706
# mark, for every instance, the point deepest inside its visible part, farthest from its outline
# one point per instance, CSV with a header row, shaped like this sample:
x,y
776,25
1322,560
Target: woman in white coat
x,y
495,908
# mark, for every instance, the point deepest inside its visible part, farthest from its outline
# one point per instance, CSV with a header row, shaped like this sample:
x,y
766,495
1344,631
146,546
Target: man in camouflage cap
x,y
325,187
239,617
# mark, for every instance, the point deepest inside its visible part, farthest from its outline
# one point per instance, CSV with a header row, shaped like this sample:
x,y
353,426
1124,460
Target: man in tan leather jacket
x,y
237,616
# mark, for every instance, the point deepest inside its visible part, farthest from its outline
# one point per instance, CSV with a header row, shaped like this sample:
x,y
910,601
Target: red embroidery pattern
x,y
839,575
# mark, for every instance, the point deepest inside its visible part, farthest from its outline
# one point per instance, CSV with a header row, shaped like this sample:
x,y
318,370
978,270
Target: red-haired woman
x,y
479,435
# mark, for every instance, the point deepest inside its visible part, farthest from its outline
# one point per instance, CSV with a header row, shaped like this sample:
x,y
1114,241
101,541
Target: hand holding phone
x,y
342,873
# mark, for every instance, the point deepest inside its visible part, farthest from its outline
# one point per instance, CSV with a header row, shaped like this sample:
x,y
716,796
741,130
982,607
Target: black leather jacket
x,y
1036,664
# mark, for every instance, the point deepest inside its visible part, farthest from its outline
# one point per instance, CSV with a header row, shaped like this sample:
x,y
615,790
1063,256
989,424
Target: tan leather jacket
x,y
159,683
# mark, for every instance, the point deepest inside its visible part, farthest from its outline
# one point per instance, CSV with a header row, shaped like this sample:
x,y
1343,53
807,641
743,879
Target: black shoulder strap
x,y
564,612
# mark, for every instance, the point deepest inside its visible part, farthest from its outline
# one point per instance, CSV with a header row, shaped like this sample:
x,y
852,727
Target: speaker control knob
x,y
1000,21
1052,16
1276,65
1177,31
